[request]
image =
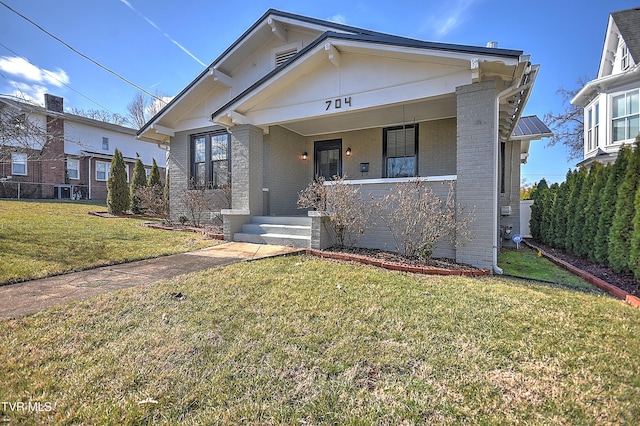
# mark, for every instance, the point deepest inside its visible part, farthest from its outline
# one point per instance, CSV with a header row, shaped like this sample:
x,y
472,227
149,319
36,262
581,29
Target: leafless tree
x,y
568,125
142,108
102,115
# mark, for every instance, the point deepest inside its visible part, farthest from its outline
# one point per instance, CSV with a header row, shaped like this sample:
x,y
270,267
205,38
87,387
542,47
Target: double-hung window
x,y
210,159
73,168
102,170
400,151
626,115
19,163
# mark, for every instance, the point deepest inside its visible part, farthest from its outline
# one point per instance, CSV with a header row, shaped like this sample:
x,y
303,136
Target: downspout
x,y
496,176
89,177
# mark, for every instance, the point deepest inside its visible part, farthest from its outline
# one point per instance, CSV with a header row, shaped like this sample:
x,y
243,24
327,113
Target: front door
x,y
328,158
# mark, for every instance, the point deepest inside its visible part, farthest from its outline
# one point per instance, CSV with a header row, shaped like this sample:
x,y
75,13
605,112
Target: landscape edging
x,y
426,270
592,279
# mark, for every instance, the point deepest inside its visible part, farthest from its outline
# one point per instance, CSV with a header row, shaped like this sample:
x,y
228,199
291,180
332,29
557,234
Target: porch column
x,y
247,159
477,169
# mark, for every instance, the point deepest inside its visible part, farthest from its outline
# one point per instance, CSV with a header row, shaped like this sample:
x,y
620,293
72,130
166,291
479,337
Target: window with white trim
x,y
102,170
73,168
19,163
400,151
625,116
593,124
624,59
105,143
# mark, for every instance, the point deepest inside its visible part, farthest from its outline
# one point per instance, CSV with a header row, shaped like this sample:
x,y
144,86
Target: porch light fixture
x,y
305,155
348,152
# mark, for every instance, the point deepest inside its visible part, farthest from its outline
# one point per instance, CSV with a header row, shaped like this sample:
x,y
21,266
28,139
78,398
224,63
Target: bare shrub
x,y
150,200
418,218
349,215
202,199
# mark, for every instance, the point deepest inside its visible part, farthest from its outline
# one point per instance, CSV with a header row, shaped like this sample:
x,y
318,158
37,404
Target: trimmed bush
x,y
634,259
593,209
118,199
609,196
139,181
622,223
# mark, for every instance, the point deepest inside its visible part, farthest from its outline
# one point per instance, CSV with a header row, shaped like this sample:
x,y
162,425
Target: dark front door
x,y
328,158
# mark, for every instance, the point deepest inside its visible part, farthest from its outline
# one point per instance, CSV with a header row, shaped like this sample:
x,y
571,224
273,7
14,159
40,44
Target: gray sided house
x,y
295,97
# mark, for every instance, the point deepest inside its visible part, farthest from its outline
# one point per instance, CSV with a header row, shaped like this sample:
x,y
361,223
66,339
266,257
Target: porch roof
x,y
254,37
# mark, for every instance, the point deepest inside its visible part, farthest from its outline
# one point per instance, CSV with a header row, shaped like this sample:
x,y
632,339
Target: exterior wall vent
x,y
285,55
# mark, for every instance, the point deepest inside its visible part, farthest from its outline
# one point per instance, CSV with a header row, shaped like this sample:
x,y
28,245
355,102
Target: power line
x,y
80,53
55,78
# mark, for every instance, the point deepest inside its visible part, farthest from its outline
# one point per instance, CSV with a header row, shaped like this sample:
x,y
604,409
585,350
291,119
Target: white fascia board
x,y
163,130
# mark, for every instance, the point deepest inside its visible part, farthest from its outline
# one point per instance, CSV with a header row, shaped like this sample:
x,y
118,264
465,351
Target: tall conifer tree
x,y
117,189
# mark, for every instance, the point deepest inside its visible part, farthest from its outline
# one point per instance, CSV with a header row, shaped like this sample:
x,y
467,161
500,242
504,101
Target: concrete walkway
x,y
29,297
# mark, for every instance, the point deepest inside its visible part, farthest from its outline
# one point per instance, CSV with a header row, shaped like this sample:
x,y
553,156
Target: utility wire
x,y
80,53
57,79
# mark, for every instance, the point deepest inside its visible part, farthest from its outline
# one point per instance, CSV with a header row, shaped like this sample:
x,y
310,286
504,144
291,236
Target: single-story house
x,y
49,153
296,97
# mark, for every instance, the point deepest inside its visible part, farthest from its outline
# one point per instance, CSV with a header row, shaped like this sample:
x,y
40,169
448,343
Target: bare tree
x,y
568,125
142,108
102,115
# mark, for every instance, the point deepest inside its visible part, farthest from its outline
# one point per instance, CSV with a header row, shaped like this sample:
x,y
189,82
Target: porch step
x,y
286,231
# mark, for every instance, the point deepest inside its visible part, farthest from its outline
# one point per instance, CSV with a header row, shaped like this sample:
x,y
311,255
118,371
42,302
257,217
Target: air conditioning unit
x,y
505,210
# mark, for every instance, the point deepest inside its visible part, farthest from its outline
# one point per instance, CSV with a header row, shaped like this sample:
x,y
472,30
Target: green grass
x,y
298,340
39,239
526,263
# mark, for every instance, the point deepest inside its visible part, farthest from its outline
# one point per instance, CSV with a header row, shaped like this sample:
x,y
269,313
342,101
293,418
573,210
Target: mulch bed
x,y
623,281
396,261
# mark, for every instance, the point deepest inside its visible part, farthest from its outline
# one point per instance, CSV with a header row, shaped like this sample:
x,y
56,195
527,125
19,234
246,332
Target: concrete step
x,y
276,239
267,228
285,231
283,220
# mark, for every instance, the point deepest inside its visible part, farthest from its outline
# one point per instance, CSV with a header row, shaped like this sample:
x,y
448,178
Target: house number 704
x,y
337,103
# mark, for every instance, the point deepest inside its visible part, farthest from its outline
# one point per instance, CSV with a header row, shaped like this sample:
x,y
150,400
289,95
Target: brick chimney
x,y
53,161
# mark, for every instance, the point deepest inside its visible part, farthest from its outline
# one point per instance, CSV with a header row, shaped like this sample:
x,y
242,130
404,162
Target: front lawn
x,y
40,238
299,340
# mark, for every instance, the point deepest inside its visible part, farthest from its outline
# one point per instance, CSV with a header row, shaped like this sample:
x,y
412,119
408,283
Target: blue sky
x,y
161,45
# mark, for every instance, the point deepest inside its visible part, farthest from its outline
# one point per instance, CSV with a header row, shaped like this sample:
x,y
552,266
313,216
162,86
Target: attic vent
x,y
285,55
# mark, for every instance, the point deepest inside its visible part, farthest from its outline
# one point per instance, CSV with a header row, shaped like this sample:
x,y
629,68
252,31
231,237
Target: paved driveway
x,y
29,297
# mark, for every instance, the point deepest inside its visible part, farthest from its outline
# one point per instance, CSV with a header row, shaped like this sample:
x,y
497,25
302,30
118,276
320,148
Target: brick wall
x,y
476,166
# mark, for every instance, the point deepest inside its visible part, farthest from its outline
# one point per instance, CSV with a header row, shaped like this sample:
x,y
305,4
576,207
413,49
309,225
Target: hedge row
x,y
595,213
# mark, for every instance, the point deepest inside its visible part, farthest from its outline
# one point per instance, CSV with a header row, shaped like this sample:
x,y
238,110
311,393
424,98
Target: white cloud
x,y
338,19
29,81
447,19
25,70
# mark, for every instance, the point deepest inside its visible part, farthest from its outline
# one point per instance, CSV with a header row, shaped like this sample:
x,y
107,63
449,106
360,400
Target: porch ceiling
x,y
388,115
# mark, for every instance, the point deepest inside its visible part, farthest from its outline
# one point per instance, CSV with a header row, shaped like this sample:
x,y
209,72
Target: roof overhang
x,y
430,96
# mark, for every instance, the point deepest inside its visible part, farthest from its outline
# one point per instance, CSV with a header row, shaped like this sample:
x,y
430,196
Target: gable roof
x,y
328,30
628,22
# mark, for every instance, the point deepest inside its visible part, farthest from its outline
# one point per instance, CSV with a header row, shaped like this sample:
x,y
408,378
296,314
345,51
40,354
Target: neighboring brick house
x,y
65,155
612,101
296,97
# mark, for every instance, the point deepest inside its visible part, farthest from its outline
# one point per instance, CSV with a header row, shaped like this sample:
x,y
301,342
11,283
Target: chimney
x,y
492,44
53,103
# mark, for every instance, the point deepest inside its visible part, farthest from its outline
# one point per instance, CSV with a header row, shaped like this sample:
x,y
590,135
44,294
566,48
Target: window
x,y
105,143
73,168
102,170
593,121
626,116
147,172
19,163
624,59
400,151
210,159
